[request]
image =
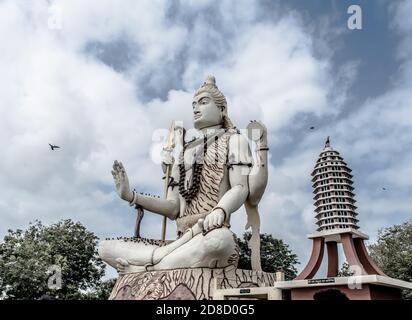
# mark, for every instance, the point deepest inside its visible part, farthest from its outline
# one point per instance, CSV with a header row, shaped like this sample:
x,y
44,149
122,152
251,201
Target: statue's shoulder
x,y
239,148
237,140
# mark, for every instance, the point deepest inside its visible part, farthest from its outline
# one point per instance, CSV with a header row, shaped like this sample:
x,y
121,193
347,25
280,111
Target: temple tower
x,y
336,218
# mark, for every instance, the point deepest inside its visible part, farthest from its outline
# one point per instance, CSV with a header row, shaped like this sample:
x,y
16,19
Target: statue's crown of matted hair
x,y
210,80
209,85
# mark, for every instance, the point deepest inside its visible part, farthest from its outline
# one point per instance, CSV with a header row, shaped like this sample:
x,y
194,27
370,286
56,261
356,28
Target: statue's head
x,y
210,106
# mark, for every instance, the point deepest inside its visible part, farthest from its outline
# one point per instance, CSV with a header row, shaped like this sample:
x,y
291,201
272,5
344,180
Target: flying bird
x,y
53,146
312,128
383,188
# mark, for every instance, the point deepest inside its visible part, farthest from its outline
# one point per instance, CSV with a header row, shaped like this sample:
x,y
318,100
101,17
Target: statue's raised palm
x,y
121,180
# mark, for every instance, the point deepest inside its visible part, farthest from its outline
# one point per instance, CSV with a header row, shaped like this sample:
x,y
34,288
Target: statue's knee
x,y
109,251
105,252
104,248
219,241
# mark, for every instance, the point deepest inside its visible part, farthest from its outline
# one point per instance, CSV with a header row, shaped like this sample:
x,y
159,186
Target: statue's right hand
x,y
166,158
122,182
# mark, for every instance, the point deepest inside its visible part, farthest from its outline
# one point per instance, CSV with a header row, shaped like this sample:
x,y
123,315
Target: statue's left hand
x,y
215,219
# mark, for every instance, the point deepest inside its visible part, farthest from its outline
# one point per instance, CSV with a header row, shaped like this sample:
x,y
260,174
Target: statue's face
x,y
205,112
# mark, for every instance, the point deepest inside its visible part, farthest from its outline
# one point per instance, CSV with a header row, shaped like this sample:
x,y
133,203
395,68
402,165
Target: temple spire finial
x,y
327,143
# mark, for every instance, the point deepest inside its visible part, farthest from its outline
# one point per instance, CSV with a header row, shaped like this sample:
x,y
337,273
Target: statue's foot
x,y
125,256
121,265
124,267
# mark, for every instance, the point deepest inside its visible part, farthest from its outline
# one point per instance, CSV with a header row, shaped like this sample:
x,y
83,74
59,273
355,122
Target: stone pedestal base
x,y
186,284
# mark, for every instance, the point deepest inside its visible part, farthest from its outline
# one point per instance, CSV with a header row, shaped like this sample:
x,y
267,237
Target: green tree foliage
x,y
26,258
104,290
275,255
345,270
393,252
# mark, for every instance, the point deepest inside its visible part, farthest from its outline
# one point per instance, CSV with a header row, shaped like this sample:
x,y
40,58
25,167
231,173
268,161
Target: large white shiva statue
x,y
212,178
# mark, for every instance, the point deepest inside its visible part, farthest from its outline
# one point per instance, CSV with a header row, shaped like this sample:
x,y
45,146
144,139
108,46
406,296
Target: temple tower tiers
x,y
334,197
336,218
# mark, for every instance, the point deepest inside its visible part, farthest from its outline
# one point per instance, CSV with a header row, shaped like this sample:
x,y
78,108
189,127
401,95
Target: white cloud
x,y
270,74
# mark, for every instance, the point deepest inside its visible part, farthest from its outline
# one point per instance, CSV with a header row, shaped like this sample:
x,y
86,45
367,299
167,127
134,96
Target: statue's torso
x,y
213,179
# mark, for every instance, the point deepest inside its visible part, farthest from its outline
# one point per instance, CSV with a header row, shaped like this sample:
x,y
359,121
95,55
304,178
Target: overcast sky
x,y
102,79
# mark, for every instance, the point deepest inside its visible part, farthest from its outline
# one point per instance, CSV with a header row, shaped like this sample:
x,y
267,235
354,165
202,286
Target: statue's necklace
x,y
192,191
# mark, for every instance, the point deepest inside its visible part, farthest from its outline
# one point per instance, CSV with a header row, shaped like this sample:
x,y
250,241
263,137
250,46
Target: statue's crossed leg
x,y
217,248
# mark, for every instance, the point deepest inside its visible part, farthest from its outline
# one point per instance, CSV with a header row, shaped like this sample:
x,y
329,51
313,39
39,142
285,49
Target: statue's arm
x,y
166,207
240,161
236,196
